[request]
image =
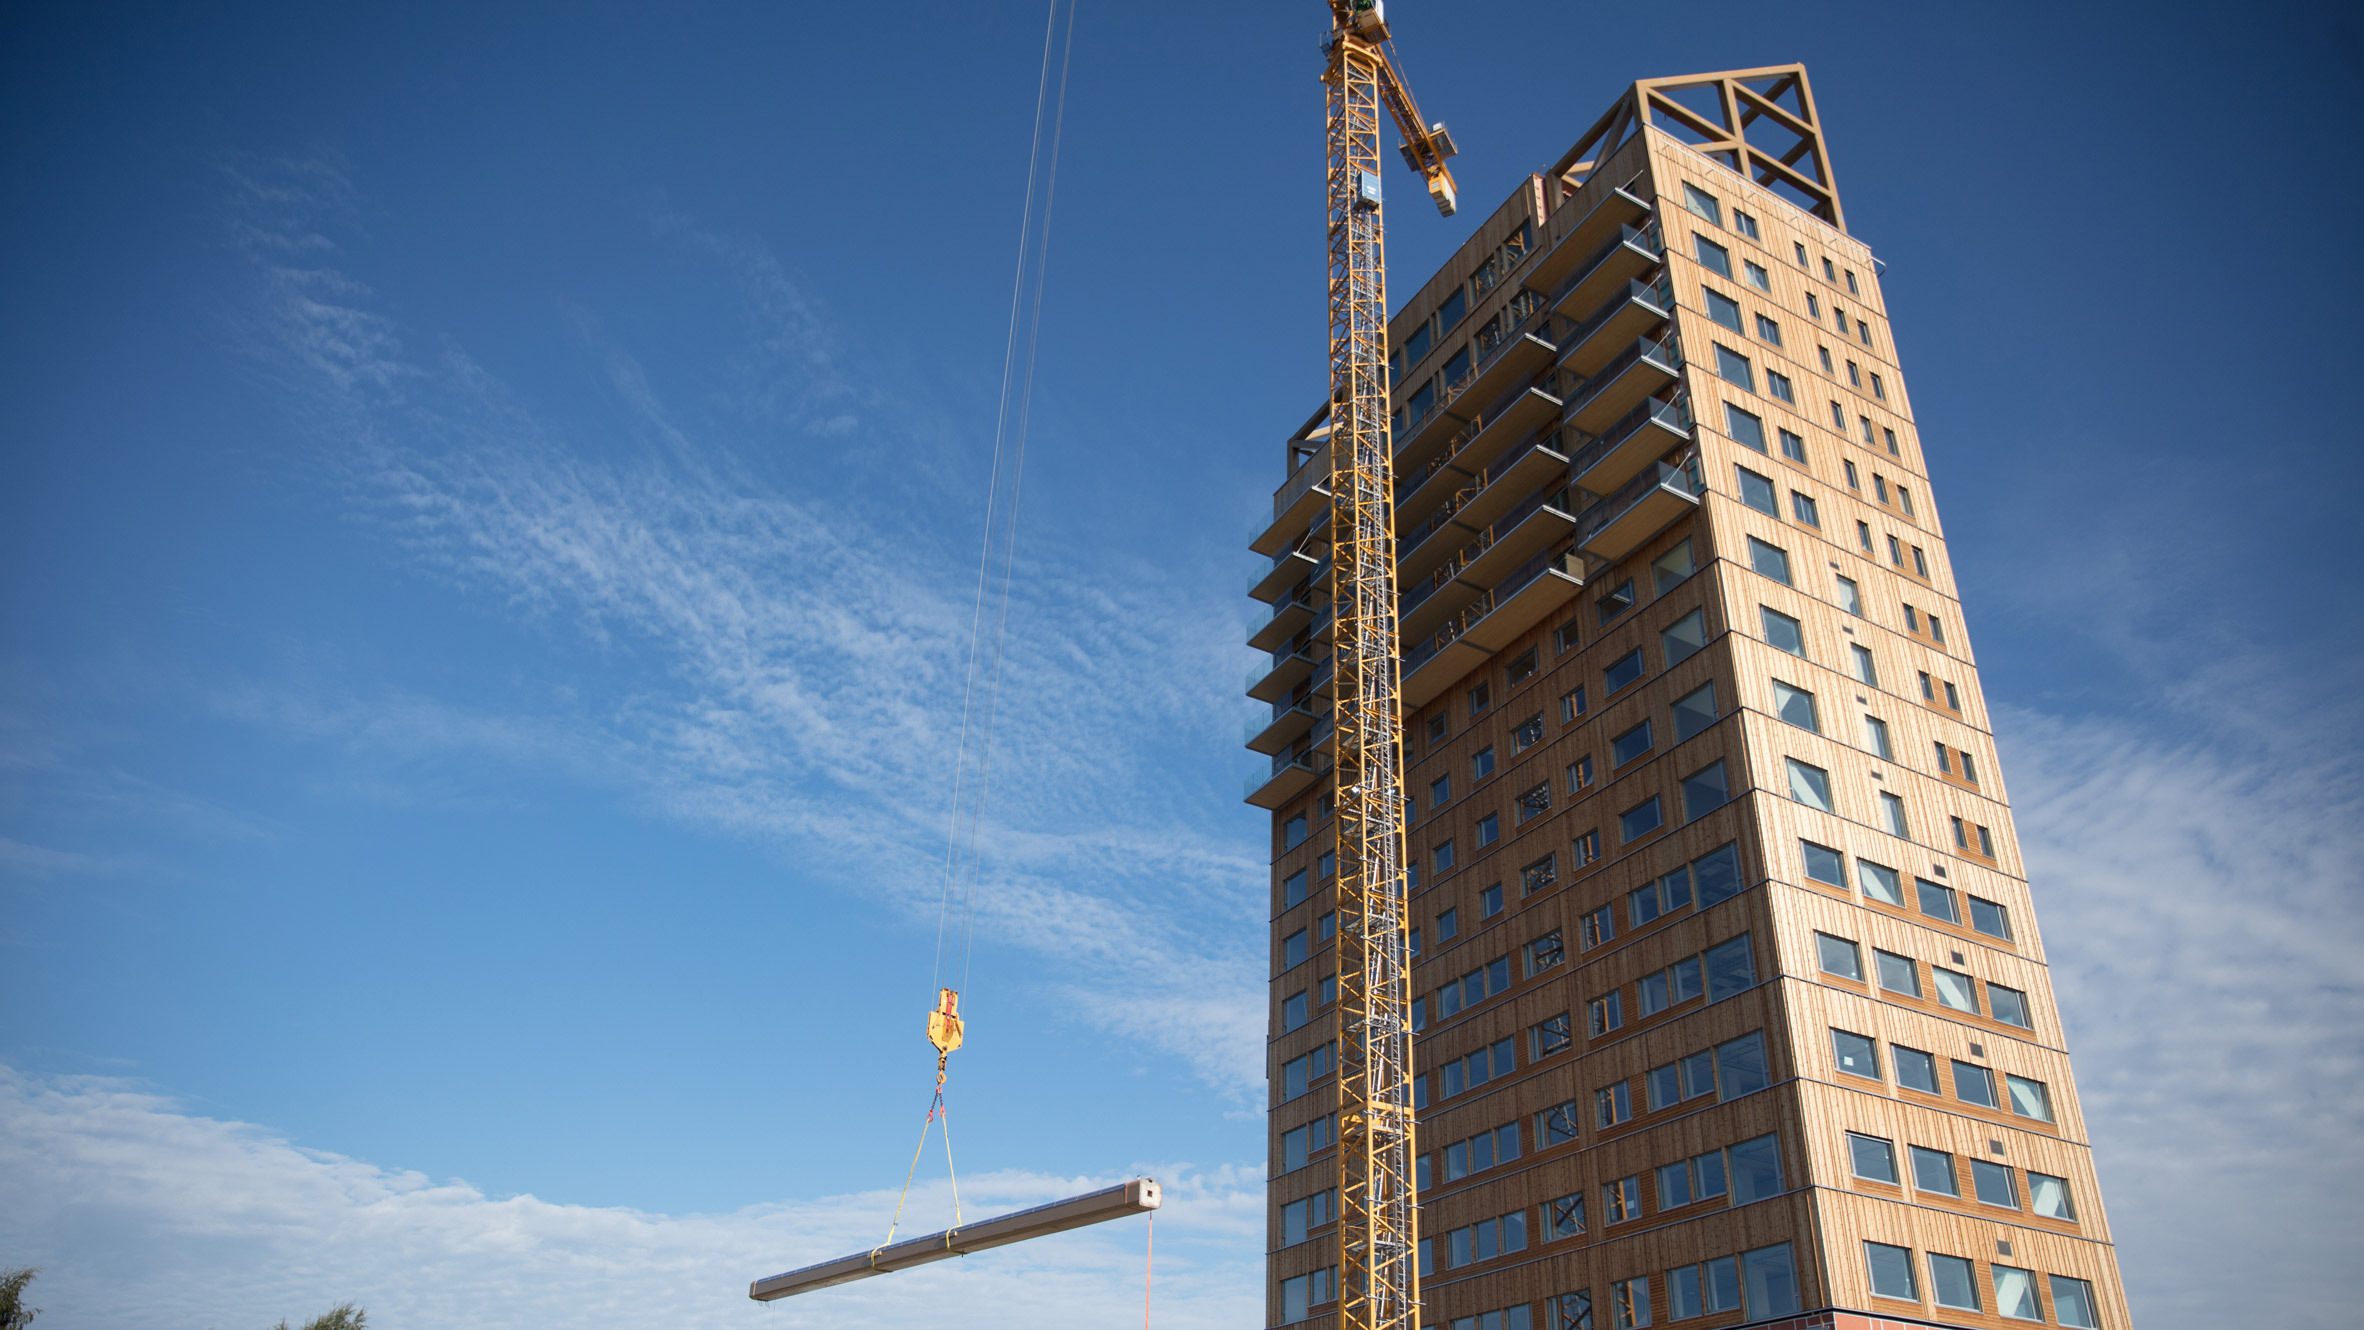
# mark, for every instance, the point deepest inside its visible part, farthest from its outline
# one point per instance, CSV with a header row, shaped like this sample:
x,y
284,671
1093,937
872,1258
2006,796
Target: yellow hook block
x,y
944,1027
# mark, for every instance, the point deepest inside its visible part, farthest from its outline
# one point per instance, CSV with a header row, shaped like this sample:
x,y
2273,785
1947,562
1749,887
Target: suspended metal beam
x,y
1139,1196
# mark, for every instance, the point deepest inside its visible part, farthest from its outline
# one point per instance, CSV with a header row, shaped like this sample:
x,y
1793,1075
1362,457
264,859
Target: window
x,y
1545,952
1606,1013
1828,274
1796,706
1694,711
1879,390
1802,259
1783,632
1293,950
1880,883
2008,1005
1534,803
1731,968
1954,989
1915,1070
1896,556
1865,672
1801,507
1703,1289
1863,334
1703,203
1810,785
1571,705
1490,901
1839,956
2015,1294
2030,1099
1563,1217
1325,865
1682,1080
1451,312
1718,874
2072,1302
1950,1282
1443,856
1479,698
1933,1172
1854,375
1611,1105
1937,902
1299,1145
1769,560
1863,536
1898,974
1668,570
1684,638
1293,889
1892,809
1740,1066
1993,1184
1298,1073
1872,1157
1778,385
1448,925
1436,728
1555,1126
1616,601
1705,791
1733,367
1498,1059
1301,1294
1891,1271
1440,792
2050,1196
1875,737
1757,276
1850,595
1857,1055
1745,429
1629,1299
1293,832
1889,436
1722,308
1838,413
1294,1011
1865,421
1953,699
1579,774
1744,224
1299,1216
1588,848
1521,667
1569,1311
1676,984
1974,1084
1712,256
1482,765
1771,1277
1824,351
1793,446
1640,820
1928,694
1823,864
1548,1036
1757,492
1662,896
1598,927
1623,670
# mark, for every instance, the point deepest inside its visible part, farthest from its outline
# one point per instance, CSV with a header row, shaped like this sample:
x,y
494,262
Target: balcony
x,y
1638,510
1286,725
1643,436
1528,595
1535,522
1500,374
1293,770
1640,371
1434,664
1584,239
1635,312
1296,502
1271,683
1628,255
1521,411
1523,468
1287,618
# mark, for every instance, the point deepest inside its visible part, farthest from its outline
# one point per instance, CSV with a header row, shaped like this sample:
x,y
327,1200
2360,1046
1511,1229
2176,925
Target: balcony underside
x,y
1279,681
1632,318
1287,618
1650,513
1534,533
1618,209
1617,267
1624,459
1285,728
1286,572
1528,411
1622,393
1440,672
1295,503
1524,608
1277,790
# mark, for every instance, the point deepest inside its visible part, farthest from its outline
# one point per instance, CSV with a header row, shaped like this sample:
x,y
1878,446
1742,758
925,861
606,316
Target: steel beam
x,y
1131,1198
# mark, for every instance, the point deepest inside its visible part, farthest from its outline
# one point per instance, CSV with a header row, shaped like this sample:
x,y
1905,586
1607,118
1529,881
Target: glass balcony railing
x,y
1666,415
1659,295
1645,239
1666,353
1413,597
1594,518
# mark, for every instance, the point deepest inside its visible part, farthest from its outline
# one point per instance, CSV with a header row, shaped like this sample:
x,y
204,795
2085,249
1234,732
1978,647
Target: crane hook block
x,y
944,1028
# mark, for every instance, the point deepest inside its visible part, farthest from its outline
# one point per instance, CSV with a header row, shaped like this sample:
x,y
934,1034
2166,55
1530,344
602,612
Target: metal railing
x,y
1667,415
1598,516
1659,294
1644,239
1666,353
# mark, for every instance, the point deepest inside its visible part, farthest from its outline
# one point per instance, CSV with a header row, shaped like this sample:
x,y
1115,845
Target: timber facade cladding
x,y
1577,488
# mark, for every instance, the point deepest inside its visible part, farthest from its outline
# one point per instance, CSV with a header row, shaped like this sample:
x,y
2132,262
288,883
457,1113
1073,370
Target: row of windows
x,y
1725,1072
1902,975
1718,259
1859,1055
1883,884
1787,634
1762,1283
1953,1283
1721,971
1796,706
1757,491
1937,1173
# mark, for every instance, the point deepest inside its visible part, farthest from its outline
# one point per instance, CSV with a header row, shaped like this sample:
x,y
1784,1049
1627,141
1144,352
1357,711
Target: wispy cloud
x,y
781,647
143,1214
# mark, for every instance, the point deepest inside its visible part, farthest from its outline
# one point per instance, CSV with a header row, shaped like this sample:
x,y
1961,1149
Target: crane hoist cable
x,y
957,895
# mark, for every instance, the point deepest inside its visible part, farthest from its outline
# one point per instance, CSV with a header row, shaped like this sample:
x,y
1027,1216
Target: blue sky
x,y
490,498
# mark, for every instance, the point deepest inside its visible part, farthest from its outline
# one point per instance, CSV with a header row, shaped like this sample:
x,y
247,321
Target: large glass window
x,y
2015,1294
2030,1099
1898,974
1623,670
1857,1055
1891,1271
1769,560
1735,368
1933,1172
1684,638
1694,711
1757,492
1782,632
1915,1070
1953,1282
1796,706
1880,882
2050,1196
1993,1183
1722,308
1712,256
1810,785
1871,1157
1756,1169
1641,819
1771,1275
1823,864
1704,791
1702,203
1974,1084
1839,956
1740,1066
1990,918
2072,1303
1954,989
1668,570
1937,902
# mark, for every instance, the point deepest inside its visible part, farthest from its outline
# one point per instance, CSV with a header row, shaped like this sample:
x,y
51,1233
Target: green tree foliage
x,y
14,1314
343,1316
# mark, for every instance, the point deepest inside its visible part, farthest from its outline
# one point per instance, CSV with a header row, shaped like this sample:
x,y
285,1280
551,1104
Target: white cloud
x,y
142,1214
2199,898
779,650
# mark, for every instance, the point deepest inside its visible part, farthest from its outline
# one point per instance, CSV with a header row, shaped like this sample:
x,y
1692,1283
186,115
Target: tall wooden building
x,y
1733,1008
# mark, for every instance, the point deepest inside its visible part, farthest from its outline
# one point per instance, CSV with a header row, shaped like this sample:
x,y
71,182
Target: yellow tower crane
x,y
1378,1229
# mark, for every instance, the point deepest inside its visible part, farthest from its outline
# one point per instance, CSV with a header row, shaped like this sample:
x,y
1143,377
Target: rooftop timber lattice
x,y
1759,122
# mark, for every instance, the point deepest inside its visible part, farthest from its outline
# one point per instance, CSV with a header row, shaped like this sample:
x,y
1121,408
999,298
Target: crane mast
x,y
1378,1236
